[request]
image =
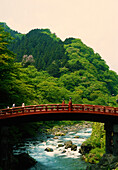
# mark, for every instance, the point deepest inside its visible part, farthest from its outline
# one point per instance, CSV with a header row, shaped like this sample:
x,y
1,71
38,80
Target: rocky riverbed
x,y
108,161
58,130
59,149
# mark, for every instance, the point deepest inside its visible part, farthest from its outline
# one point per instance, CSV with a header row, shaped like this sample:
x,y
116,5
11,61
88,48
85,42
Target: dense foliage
x,y
63,58
46,70
96,142
48,50
12,88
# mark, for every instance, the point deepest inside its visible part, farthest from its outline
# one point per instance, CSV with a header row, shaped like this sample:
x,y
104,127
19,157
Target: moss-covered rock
x,y
107,162
94,155
94,147
85,148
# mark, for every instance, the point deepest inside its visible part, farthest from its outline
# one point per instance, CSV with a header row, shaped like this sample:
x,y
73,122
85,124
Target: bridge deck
x,y
56,109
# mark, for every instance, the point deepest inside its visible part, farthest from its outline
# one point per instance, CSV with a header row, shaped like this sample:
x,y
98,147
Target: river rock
x,y
59,134
55,137
68,144
73,147
85,148
64,151
76,137
108,161
60,145
49,149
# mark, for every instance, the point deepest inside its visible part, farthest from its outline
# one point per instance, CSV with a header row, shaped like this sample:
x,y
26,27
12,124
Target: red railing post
x,y
34,108
70,107
115,110
46,108
93,108
52,107
22,109
104,109
57,107
82,107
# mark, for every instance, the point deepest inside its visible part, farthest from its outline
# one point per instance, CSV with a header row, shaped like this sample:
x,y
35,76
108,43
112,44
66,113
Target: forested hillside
x,y
46,49
45,69
14,34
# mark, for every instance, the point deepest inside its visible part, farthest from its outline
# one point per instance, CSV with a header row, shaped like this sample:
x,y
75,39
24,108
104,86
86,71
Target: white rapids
x,y
60,156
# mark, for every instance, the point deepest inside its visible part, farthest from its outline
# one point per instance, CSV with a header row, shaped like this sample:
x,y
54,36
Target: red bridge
x,y
97,113
60,112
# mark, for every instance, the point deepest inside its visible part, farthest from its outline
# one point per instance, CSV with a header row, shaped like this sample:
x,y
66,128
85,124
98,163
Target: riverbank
x,y
94,147
107,162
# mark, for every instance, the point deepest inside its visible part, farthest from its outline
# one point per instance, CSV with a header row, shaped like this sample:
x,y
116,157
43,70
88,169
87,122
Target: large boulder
x,y
69,144
85,148
22,161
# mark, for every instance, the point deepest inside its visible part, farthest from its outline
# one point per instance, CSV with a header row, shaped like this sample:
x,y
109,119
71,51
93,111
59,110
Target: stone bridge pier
x,y
5,148
111,138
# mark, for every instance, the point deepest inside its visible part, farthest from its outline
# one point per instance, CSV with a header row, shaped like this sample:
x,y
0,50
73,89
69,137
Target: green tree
x,y
7,66
12,89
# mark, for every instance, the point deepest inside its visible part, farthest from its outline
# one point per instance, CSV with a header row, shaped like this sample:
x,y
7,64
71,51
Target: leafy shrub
x,y
94,155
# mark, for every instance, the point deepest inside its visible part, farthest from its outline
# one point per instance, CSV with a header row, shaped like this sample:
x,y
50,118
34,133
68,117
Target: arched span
x,y
62,111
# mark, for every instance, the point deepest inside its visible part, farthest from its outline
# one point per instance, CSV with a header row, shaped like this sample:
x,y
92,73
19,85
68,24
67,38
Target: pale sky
x,y
95,22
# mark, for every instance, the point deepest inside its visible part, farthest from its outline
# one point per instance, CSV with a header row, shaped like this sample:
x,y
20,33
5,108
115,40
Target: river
x,y
60,158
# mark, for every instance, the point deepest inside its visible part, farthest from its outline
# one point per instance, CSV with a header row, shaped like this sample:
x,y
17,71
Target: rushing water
x,y
56,160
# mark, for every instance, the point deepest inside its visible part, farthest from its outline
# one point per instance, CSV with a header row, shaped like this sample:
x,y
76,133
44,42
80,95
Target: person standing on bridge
x,y
23,104
70,104
13,105
63,103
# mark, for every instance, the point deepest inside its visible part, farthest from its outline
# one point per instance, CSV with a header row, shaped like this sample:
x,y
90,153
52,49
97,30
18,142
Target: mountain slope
x,y
71,68
13,33
59,58
47,50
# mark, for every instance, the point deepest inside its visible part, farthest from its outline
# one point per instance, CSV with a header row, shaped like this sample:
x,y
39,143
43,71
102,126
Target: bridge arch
x,y
96,113
62,111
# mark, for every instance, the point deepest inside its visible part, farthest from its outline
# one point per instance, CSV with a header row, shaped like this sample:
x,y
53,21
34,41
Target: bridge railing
x,y
51,107
87,108
83,108
94,108
34,108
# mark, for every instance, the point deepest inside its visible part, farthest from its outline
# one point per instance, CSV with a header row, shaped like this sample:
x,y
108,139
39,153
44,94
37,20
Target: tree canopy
x,y
45,69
